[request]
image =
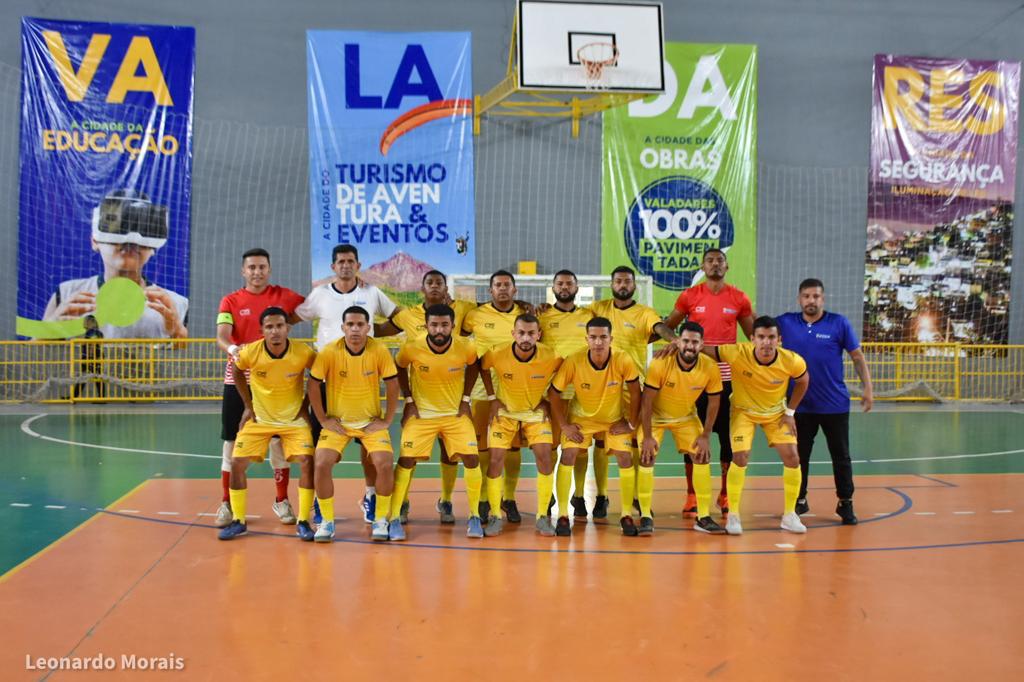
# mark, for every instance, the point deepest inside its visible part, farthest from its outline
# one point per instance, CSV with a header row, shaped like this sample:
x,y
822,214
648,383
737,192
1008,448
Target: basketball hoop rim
x,y
601,63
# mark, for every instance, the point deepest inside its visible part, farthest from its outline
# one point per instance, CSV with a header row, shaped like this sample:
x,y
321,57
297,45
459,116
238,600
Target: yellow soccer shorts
x,y
620,442
253,439
482,426
684,433
455,432
378,441
742,425
503,430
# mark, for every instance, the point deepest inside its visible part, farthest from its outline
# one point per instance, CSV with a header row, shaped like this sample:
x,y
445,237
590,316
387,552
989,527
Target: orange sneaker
x,y
690,508
723,503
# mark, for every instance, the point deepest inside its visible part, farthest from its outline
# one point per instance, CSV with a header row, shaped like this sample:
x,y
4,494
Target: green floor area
x,y
83,461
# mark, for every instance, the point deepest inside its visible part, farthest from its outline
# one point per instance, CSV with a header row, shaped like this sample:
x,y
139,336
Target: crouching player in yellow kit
x,y
352,368
437,374
761,372
522,373
598,375
674,383
275,405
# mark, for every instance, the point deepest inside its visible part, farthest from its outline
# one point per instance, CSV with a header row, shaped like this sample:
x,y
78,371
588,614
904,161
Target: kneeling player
x,y
674,383
275,405
352,368
598,375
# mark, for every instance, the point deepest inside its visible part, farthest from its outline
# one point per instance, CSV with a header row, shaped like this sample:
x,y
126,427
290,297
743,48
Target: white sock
x,y
225,455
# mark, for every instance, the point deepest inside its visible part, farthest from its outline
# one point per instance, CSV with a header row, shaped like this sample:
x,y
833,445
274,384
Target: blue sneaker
x,y
235,530
381,531
325,533
476,528
395,530
304,531
317,516
368,505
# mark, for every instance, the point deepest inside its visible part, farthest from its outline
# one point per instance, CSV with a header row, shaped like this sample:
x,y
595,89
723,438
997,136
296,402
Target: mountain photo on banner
x,y
680,172
391,154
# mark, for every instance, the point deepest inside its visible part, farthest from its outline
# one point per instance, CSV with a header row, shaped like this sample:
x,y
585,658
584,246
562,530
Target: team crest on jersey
x,y
585,387
261,373
747,373
699,309
424,368
670,384
509,376
407,444
343,373
488,325
245,311
554,325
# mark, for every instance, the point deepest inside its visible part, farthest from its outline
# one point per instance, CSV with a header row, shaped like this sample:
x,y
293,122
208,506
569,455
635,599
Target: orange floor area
x,y
926,587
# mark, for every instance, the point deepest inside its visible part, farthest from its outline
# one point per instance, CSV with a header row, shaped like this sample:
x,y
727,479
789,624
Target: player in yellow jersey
x,y
437,374
673,384
634,326
491,325
761,372
275,405
522,372
601,377
563,327
352,369
411,321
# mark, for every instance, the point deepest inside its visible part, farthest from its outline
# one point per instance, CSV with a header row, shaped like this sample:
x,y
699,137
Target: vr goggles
x,y
129,217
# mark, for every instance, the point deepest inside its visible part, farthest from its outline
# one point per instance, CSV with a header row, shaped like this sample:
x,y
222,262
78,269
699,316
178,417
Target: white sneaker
x,y
223,519
792,523
380,530
733,525
284,511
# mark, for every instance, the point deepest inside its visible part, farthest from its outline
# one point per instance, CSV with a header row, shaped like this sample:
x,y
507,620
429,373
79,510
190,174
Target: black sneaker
x,y
511,511
601,507
579,507
628,526
706,524
801,506
646,525
562,528
485,509
845,511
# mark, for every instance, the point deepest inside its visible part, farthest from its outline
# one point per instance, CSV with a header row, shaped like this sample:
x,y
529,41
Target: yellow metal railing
x,y
87,371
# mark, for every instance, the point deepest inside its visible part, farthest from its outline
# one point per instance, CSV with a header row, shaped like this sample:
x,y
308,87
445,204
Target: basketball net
x,y
594,57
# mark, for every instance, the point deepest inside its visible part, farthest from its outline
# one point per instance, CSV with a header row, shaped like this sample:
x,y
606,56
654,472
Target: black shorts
x,y
231,409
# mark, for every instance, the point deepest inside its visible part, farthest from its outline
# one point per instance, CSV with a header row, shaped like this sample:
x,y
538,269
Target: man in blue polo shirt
x,y
820,338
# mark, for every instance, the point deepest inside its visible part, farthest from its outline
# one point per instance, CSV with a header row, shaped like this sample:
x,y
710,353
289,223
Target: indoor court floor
x,y
109,548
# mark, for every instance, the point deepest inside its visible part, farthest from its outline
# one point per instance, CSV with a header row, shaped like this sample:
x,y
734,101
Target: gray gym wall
x,y
537,190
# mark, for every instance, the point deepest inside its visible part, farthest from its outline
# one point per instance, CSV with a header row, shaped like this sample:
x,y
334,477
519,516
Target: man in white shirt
x,y
327,304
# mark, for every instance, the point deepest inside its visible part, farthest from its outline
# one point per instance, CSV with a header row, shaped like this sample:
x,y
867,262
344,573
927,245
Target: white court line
x,y
127,511
924,513
20,504
27,429
1002,511
962,513
168,513
785,545
54,506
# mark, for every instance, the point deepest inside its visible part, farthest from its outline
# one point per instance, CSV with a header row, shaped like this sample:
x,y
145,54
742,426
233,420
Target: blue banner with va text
x,y
391,154
105,183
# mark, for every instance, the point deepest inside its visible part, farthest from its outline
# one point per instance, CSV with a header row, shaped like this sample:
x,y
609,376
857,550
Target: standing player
x,y
634,326
717,307
437,374
327,304
275,406
350,370
673,384
761,372
522,372
412,321
601,377
820,337
491,325
563,327
238,323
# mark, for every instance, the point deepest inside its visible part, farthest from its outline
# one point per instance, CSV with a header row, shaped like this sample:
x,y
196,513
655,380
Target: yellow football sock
x,y
791,486
627,484
702,488
645,489
449,474
383,508
513,465
734,486
305,503
601,471
237,504
327,508
545,484
579,474
494,486
474,481
562,483
403,477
